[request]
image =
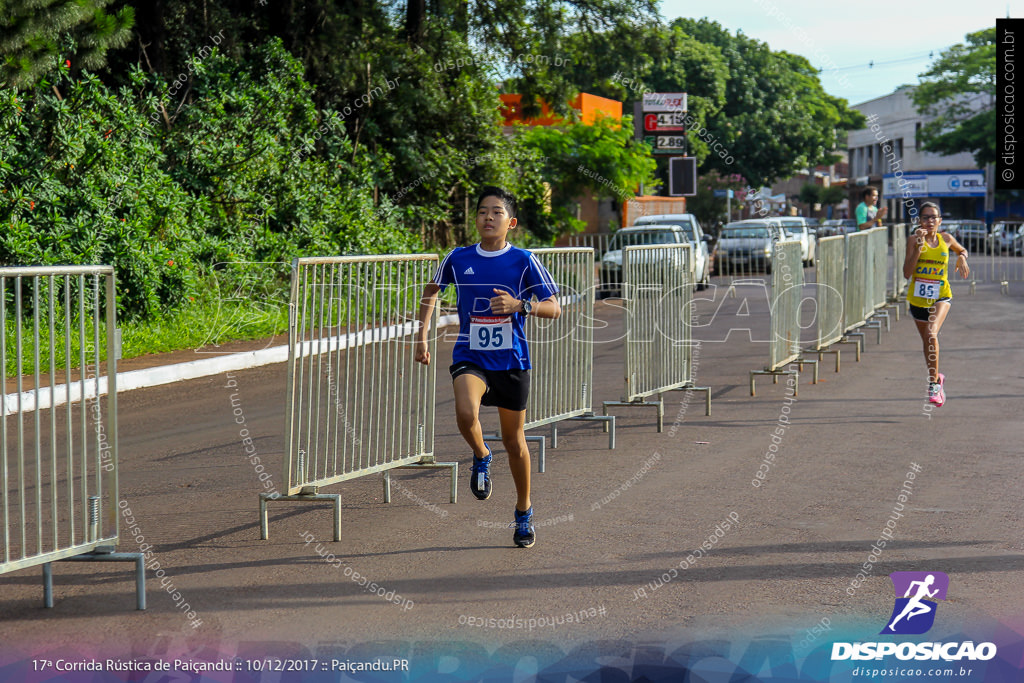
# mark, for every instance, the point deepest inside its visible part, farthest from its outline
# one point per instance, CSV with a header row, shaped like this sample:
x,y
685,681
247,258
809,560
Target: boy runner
x,y
494,283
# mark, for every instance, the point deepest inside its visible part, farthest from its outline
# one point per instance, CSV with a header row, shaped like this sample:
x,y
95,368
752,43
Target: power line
x,y
872,63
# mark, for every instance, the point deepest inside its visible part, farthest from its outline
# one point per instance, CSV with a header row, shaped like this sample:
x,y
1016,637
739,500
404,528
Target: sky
x,y
843,38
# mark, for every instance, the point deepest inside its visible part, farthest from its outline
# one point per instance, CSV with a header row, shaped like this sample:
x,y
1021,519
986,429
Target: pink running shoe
x,y
936,395
942,379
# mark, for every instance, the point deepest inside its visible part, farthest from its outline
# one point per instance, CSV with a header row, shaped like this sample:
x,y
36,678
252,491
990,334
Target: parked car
x,y
974,235
837,226
611,262
1009,238
700,271
795,228
813,224
744,245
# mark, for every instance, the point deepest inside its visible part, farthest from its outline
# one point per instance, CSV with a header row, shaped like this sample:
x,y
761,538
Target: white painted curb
x,y
179,372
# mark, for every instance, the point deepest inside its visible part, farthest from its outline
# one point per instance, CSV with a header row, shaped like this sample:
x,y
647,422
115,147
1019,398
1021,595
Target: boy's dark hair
x,y
925,205
506,197
868,190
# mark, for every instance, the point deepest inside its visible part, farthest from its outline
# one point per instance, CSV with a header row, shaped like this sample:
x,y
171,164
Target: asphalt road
x,y
617,530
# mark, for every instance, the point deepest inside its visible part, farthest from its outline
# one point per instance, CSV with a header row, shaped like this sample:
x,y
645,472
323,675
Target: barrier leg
x,y
875,325
386,480
140,582
264,526
660,407
333,498
540,459
821,355
554,436
138,559
452,467
859,341
800,365
337,518
455,478
775,374
881,313
47,585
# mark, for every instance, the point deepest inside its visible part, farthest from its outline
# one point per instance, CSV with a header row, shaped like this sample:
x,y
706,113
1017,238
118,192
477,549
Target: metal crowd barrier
x,y
562,350
787,294
995,257
58,447
357,402
610,274
879,247
876,297
657,293
831,283
899,254
857,281
865,285
596,241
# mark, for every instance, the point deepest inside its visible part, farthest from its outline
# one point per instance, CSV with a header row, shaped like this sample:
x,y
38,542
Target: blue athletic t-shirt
x,y
492,341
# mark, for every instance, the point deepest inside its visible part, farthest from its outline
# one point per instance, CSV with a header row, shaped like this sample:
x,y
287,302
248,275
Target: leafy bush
x,y
169,181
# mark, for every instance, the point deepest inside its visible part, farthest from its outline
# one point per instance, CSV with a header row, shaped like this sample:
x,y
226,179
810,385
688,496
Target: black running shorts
x,y
921,313
507,389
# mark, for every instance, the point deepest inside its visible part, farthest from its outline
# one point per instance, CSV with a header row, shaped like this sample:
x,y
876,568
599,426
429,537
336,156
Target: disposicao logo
x,y
914,613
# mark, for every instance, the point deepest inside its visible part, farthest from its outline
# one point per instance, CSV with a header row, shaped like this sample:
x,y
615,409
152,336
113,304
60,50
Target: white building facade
x,y
888,156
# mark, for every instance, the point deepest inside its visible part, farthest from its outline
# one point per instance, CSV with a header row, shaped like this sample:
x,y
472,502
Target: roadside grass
x,y
253,306
204,323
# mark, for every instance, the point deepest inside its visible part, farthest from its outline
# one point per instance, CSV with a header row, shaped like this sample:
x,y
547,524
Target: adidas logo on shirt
x,y
469,271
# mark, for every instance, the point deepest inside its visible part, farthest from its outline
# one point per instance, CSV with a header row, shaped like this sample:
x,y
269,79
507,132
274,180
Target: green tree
x,y
777,118
578,159
35,35
657,58
417,88
95,177
708,208
811,193
832,195
959,91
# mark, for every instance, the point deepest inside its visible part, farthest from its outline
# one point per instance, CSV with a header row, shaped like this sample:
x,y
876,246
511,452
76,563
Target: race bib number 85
x,y
490,334
927,289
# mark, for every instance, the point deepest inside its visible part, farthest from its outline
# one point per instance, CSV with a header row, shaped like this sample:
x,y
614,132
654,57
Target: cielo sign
x,y
913,613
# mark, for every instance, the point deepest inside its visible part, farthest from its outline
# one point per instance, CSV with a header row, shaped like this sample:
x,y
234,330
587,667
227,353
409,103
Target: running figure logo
x,y
914,613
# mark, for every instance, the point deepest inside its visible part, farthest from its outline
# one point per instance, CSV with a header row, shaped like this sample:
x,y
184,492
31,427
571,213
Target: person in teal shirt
x,y
867,211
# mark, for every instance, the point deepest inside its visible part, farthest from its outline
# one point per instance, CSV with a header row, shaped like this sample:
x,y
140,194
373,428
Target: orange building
x,y
590,107
597,214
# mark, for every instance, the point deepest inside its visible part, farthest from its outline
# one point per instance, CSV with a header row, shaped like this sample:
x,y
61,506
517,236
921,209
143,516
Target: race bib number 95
x,y
927,289
490,334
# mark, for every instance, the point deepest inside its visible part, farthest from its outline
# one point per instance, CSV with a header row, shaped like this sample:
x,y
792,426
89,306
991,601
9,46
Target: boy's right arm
x,y
430,292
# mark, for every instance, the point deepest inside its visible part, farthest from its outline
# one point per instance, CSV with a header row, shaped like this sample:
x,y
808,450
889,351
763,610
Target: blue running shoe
x,y
524,535
480,481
